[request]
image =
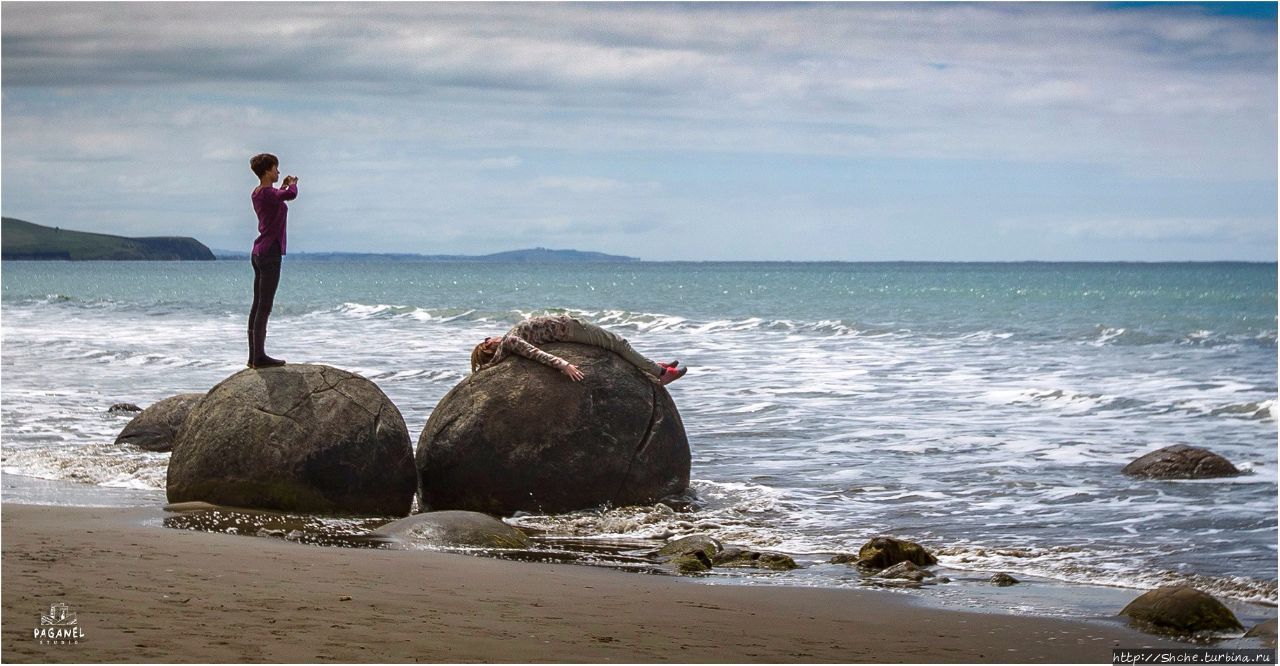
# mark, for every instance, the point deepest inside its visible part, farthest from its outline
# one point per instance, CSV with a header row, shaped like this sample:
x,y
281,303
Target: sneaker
x,y
670,374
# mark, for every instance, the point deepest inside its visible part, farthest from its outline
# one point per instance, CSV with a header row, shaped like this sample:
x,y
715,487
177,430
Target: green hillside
x,y
23,240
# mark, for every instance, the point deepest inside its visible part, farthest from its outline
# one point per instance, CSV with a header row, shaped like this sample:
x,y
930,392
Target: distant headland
x,y
531,256
20,240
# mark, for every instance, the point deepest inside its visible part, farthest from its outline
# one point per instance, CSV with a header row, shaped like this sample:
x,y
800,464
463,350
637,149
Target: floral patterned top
x,y
534,331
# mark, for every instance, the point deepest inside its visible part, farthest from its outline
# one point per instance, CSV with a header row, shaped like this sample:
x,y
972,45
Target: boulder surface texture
x,y
1181,609
298,438
521,436
1181,462
155,428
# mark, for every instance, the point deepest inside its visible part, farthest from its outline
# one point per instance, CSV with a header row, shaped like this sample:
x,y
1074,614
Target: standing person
x,y
268,250
523,337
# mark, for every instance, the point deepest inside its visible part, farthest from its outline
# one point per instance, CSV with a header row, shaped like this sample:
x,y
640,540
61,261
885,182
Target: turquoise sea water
x,y
982,409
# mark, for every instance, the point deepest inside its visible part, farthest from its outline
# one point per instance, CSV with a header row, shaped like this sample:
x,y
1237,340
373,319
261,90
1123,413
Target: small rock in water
x,y
884,552
1003,580
270,533
294,535
686,545
123,408
738,557
693,562
1181,462
905,571
456,528
1265,632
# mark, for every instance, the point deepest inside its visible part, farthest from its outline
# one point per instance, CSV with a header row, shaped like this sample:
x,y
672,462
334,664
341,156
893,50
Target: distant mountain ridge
x,y
534,255
22,240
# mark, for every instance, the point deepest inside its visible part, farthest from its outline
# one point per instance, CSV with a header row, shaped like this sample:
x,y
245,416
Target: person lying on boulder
x,y
523,337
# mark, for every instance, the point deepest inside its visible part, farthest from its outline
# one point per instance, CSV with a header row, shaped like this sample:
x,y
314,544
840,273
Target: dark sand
x,y
145,593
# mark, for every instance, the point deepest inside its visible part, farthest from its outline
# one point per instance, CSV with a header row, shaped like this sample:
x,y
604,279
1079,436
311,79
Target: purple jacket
x,y
273,212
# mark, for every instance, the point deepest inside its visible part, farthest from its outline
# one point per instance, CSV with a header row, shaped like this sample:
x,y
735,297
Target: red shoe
x,y
669,365
670,374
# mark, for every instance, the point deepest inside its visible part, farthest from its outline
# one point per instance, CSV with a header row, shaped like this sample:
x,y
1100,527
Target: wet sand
x,y
143,593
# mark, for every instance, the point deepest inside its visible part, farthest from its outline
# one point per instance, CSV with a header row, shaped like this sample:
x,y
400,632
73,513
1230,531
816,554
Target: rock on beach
x,y
156,427
520,436
299,438
1182,610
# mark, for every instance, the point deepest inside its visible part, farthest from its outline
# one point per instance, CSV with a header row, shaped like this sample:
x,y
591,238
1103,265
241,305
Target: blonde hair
x,y
480,356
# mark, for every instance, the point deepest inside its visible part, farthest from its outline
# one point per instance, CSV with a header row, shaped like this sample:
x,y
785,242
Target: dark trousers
x,y
266,277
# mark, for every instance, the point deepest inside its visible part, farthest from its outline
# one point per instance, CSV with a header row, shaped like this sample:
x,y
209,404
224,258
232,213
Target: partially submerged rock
x,y
905,571
884,552
692,562
156,427
1265,632
520,436
1181,462
298,438
1180,610
739,557
689,544
123,408
456,528
1003,580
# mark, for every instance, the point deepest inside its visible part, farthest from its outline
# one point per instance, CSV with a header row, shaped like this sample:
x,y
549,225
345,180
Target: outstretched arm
x,y
518,345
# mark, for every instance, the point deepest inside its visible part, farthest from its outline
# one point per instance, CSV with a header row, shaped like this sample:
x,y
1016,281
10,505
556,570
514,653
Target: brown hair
x,y
261,162
481,356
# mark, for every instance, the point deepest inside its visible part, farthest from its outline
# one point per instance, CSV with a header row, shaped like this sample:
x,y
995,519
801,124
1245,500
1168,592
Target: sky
x,y
704,131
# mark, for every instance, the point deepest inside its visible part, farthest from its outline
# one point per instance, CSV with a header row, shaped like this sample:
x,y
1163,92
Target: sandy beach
x,y
143,593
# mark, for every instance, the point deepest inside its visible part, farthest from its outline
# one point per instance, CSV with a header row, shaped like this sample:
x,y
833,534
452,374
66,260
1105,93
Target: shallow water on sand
x,y
983,410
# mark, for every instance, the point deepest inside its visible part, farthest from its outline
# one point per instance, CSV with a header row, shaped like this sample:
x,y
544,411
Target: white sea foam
x,y
810,432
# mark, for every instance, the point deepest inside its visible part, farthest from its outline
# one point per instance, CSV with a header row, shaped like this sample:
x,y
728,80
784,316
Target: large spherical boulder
x,y
1181,609
521,436
155,428
299,438
1181,462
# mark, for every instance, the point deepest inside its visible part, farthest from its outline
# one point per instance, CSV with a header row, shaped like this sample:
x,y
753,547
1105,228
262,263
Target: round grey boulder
x,y
521,436
298,438
1181,462
455,528
1181,610
155,428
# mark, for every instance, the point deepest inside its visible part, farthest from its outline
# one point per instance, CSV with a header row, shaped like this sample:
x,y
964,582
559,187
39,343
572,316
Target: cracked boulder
x,y
520,436
297,438
155,427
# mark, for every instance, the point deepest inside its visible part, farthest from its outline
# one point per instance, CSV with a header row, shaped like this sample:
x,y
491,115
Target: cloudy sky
x,y
850,131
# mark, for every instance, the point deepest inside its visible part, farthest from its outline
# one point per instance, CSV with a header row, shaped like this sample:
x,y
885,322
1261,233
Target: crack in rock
x,y
654,419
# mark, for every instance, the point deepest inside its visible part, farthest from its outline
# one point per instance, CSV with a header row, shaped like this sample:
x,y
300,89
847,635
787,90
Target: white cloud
x,y
397,109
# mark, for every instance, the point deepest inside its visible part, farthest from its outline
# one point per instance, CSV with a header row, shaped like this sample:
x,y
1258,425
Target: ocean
x,y
984,410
